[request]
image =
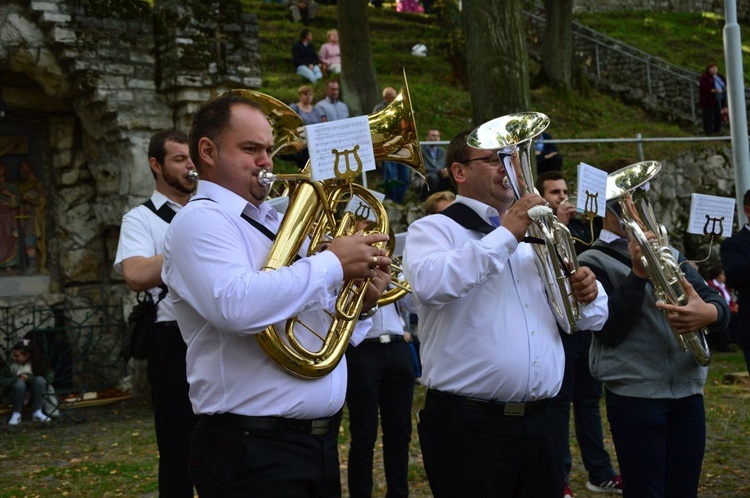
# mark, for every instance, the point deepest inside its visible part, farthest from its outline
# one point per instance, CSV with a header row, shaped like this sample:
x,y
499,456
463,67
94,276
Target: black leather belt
x,y
318,427
509,409
385,339
172,324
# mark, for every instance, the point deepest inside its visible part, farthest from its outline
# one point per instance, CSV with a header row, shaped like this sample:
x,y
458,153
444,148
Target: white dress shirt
x,y
142,234
485,326
333,111
386,321
212,264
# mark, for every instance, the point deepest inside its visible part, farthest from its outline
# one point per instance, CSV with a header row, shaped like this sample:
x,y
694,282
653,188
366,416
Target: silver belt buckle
x,y
385,338
514,409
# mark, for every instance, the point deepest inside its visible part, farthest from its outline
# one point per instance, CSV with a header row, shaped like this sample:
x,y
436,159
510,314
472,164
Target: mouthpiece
x,y
506,182
193,175
266,178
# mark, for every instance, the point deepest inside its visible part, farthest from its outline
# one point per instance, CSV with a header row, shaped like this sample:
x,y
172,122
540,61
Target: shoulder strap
x,y
265,231
165,212
467,217
258,226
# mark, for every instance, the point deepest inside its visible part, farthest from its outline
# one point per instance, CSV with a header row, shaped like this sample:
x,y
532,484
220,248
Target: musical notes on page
x,y
592,190
711,215
340,149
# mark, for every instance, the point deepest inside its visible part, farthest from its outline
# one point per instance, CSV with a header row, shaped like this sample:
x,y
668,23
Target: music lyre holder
x,y
711,234
590,208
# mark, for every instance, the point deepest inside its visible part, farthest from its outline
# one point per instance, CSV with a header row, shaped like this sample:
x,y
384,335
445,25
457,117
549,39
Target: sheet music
x,y
712,214
591,187
398,249
345,140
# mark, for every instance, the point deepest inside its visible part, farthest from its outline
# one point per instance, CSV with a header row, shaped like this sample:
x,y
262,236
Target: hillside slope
x,y
440,102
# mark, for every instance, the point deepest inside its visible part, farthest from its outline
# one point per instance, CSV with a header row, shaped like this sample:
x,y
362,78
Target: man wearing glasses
x,y
492,356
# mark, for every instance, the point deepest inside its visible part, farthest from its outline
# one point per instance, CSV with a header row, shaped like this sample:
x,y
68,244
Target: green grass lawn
x,y
114,452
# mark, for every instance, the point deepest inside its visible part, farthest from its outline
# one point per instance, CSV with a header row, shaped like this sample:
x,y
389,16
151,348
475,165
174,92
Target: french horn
x,y
625,186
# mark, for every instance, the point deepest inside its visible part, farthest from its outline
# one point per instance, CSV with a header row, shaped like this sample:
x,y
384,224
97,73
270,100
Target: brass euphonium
x,y
511,137
626,187
312,209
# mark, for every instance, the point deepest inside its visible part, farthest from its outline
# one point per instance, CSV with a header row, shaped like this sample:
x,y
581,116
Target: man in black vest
x,y
735,259
139,259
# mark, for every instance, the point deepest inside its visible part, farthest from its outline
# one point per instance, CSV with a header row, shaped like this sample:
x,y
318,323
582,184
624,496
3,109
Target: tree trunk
x,y
359,85
497,58
557,51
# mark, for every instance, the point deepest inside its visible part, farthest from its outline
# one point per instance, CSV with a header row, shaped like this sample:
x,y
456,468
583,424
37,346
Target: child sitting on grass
x,y
30,371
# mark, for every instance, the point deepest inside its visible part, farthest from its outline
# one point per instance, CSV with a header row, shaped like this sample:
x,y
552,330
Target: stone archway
x,y
88,109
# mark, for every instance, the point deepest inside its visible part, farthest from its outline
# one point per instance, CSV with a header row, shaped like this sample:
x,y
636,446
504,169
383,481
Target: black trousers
x,y
380,376
173,415
229,463
470,451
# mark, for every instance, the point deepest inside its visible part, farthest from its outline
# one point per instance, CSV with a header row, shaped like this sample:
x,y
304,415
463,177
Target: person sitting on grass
x,y
30,371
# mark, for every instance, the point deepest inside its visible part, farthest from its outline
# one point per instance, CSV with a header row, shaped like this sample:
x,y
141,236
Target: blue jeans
x,y
396,178
37,385
585,392
313,74
660,444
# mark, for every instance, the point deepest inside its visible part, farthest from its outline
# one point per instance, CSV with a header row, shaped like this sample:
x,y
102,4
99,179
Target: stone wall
x,y
94,80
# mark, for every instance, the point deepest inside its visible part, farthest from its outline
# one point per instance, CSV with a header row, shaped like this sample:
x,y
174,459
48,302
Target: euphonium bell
x,y
626,187
511,136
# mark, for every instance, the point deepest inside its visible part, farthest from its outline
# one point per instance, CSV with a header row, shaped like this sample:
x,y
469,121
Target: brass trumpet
x,y
557,262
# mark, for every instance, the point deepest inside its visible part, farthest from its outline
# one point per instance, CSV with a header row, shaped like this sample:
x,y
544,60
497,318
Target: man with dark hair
x,y
139,259
261,431
305,57
579,387
434,165
331,106
653,389
735,259
491,353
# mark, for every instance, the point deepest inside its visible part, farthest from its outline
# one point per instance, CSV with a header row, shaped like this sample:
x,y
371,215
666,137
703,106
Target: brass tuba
x,y
626,187
312,208
511,136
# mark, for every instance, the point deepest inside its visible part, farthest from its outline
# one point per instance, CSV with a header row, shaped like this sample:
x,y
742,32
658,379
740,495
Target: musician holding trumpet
x,y
492,356
261,431
653,389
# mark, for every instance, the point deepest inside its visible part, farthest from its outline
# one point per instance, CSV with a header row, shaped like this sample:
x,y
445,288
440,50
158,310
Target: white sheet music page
x,y
591,190
711,214
344,145
398,248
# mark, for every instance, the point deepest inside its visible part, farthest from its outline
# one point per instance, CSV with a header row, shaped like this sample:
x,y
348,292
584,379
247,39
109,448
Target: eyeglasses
x,y
492,160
